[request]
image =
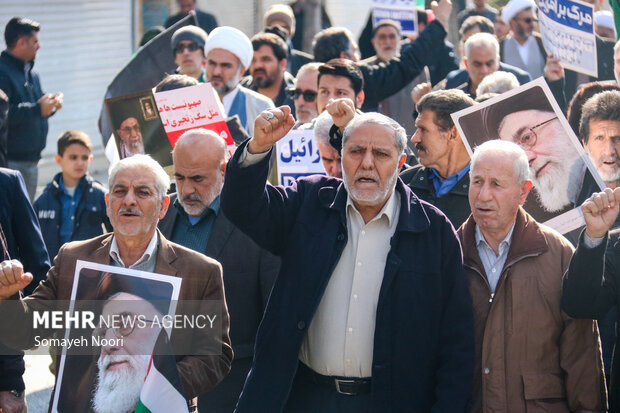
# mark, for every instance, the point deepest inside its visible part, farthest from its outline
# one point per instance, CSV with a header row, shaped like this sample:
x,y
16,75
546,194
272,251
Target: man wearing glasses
x,y
188,48
130,138
305,92
522,47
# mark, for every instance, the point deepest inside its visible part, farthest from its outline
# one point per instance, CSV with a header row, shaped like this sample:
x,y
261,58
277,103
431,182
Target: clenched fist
x,y
270,126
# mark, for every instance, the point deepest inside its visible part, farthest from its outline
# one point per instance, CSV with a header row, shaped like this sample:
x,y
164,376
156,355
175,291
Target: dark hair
x,y
150,34
443,103
277,30
484,24
17,28
172,82
585,92
278,46
422,16
329,43
345,68
603,106
73,137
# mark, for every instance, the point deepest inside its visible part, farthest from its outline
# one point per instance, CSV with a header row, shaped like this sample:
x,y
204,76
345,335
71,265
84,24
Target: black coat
x,y
454,204
206,21
459,79
591,289
27,134
423,340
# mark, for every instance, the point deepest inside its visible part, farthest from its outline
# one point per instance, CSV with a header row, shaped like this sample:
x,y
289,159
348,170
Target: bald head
x,y
199,165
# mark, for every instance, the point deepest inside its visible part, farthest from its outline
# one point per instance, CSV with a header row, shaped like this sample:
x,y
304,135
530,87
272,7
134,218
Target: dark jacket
x,y
383,80
90,214
24,242
590,290
27,128
459,79
249,273
206,21
454,204
423,342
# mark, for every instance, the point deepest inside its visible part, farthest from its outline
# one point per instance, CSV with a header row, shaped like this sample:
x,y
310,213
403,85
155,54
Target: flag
x,y
162,390
145,70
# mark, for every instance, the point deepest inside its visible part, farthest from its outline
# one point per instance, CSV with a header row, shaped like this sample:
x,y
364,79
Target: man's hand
x,y
442,12
269,127
600,211
418,92
11,404
342,111
58,100
12,278
553,69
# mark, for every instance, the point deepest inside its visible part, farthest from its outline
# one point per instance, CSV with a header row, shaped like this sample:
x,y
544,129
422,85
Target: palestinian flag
x,y
162,391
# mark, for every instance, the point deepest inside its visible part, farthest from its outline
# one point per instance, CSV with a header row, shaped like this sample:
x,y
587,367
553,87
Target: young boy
x,y
72,206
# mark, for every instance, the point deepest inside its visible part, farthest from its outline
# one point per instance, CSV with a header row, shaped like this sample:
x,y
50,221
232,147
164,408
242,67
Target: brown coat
x,y
530,356
202,280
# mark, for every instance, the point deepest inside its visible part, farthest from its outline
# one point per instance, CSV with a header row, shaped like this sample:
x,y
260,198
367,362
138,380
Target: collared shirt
x,y
493,264
194,232
340,338
445,186
227,100
145,263
69,198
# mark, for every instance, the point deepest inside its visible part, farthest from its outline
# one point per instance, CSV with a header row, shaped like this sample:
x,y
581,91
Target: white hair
x,y
322,125
482,40
497,82
162,180
508,151
400,136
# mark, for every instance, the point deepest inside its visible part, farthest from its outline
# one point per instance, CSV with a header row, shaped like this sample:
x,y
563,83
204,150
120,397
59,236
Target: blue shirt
x,y
445,186
194,232
69,205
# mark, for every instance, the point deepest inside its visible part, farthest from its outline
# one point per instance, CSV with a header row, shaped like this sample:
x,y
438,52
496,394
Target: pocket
x,y
544,393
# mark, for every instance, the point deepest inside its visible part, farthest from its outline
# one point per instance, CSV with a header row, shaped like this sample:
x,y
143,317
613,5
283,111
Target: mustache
x,y
368,175
114,358
420,147
191,197
131,211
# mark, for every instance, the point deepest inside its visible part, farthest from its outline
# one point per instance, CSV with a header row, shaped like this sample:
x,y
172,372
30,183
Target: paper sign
x,y
567,29
401,11
190,108
298,156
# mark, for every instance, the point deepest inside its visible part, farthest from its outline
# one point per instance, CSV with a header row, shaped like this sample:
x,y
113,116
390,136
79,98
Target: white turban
x,y
604,18
514,7
233,40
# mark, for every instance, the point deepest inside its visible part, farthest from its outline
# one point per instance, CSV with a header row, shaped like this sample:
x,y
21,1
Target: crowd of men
x,y
409,278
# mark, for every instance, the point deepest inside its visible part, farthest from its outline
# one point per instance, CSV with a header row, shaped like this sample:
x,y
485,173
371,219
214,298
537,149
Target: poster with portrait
x,y
138,128
562,174
298,156
567,30
193,107
104,362
401,11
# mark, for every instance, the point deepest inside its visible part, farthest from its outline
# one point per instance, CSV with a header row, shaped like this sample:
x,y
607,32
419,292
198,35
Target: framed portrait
x,y
149,110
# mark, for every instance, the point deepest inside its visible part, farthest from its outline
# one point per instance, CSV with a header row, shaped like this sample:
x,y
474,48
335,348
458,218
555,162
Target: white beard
x,y
371,199
559,185
118,391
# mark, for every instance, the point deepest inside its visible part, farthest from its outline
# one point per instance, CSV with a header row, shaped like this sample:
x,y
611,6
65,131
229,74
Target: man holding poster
x,y
137,200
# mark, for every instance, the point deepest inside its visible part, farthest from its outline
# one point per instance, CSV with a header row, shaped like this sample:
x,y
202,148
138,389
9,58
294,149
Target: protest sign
x,y
562,174
123,305
567,29
137,127
190,108
298,156
401,11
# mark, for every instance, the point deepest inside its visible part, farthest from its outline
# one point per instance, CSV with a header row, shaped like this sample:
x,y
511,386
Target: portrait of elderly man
x,y
130,137
560,177
370,311
135,203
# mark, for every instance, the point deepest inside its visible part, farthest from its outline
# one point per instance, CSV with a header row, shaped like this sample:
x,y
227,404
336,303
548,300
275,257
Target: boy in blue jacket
x,y
72,206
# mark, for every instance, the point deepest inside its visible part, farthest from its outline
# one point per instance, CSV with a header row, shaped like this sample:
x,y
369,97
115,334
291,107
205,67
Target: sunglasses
x,y
527,20
309,95
192,47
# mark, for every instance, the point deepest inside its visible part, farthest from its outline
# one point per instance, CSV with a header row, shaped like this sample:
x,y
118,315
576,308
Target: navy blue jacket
x,y
27,128
90,213
24,243
423,344
459,79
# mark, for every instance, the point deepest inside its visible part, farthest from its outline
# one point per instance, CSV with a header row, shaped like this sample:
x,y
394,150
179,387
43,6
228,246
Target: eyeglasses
x,y
529,138
309,95
122,325
129,129
192,47
527,20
